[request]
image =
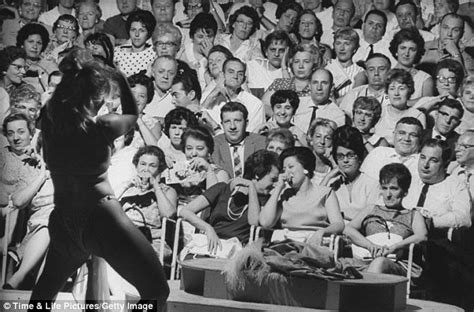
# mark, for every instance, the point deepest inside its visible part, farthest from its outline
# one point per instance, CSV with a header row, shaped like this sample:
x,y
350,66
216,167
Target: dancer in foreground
x,y
88,219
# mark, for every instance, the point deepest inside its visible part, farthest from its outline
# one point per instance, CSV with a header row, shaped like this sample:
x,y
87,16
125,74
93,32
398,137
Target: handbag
x,y
146,231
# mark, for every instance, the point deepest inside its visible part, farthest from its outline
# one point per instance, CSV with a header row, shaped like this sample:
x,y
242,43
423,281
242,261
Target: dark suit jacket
x,y
451,139
222,157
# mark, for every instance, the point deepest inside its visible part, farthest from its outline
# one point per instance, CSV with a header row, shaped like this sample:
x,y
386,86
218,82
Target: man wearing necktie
x,y
319,105
447,118
235,145
444,201
372,38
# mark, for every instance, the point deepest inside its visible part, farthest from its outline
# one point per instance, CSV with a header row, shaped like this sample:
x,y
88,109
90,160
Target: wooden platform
x,y
375,292
181,301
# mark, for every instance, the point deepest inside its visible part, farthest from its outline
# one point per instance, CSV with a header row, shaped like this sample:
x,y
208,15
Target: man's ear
x,y
192,94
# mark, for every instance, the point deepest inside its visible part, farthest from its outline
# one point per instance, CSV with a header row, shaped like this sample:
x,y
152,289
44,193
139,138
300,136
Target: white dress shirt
x,y
447,202
329,111
160,105
254,106
382,155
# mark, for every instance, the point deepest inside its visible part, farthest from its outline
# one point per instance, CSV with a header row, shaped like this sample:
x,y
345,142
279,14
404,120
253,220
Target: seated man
x,y
164,70
447,46
234,146
319,105
63,7
443,7
341,16
406,148
377,67
407,15
115,25
444,201
231,91
447,118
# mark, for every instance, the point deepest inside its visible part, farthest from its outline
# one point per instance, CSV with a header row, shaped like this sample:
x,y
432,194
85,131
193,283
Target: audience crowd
x,y
345,117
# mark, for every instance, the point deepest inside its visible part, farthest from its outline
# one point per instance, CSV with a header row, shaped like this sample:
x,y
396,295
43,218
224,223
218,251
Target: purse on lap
x,y
146,231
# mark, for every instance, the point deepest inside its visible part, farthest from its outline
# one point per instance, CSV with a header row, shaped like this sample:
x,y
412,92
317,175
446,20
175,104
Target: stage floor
x,y
180,301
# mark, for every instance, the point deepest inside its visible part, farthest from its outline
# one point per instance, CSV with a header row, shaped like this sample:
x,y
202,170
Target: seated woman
x,y
320,139
408,47
284,105
467,100
365,115
100,46
308,29
137,55
198,146
297,203
26,181
278,140
34,39
241,40
176,122
388,229
202,32
304,59
12,72
145,192
65,33
449,76
236,205
399,87
214,74
354,190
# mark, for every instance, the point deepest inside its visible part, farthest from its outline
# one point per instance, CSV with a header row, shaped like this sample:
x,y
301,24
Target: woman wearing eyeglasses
x,y
12,71
65,32
449,75
354,190
241,41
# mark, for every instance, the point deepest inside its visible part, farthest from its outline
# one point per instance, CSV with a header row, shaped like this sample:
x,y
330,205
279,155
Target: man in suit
x,y
446,119
235,145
